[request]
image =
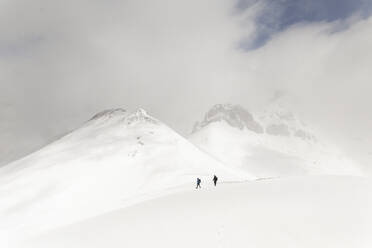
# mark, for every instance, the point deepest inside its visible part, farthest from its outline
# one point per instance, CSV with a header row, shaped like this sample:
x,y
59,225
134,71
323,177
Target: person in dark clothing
x,y
215,179
198,181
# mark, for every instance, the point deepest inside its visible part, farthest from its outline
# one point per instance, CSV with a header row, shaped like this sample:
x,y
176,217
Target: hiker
x,y
215,179
198,181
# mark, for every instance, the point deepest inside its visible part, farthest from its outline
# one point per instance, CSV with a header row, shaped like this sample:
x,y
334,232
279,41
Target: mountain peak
x,y
234,115
275,120
140,115
141,112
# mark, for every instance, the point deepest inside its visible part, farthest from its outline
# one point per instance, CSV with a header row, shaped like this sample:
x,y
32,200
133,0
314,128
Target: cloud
x,y
328,75
61,62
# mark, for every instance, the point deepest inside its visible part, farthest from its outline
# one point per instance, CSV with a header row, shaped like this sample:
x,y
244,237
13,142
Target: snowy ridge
x,y
140,115
109,113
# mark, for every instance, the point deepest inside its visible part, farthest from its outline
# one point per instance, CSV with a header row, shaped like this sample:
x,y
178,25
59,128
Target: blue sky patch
x,y
278,15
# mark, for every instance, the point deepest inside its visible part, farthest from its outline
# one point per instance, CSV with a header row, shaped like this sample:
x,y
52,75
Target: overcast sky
x,y
63,61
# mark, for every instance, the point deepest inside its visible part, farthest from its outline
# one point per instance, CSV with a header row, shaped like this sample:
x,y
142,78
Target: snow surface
x,y
286,148
114,160
306,212
127,180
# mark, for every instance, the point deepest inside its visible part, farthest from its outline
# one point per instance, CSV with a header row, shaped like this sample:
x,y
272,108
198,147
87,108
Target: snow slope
x,y
113,160
271,143
306,212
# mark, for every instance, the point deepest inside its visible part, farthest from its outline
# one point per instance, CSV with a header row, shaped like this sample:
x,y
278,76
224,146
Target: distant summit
x,y
234,115
275,121
269,142
280,121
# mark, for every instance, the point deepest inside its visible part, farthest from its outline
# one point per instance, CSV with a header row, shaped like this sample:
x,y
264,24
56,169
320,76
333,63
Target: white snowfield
x,y
127,180
306,212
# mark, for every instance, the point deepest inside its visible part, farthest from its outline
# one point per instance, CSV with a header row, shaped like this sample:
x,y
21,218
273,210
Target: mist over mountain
x,y
268,143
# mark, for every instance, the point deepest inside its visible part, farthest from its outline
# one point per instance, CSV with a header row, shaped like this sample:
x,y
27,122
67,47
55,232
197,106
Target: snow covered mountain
x,y
114,159
270,143
124,179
